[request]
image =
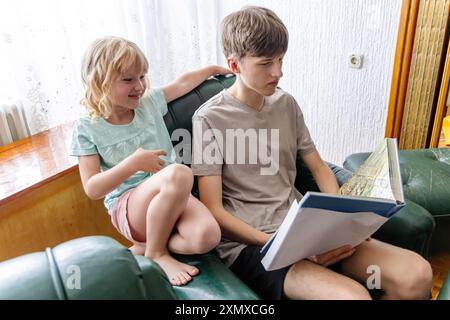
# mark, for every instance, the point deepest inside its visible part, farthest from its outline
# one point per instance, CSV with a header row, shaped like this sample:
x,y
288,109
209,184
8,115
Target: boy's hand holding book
x,y
333,256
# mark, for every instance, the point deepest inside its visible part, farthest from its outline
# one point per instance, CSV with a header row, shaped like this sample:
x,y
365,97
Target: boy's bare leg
x,y
404,274
196,231
306,280
153,209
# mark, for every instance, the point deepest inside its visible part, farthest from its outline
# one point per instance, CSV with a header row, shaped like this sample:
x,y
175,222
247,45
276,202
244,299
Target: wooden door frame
x,y
402,64
400,86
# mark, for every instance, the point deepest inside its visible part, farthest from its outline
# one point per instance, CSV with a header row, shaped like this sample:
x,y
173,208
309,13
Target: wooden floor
x,y
441,268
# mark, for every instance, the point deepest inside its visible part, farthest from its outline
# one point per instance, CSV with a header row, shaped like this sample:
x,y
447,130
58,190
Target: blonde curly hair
x,y
103,63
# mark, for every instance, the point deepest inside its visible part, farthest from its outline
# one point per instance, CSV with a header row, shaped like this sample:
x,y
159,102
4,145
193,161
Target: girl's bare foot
x,y
178,273
137,250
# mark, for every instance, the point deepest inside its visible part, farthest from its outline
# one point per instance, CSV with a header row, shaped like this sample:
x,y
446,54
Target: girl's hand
x,y
223,71
148,160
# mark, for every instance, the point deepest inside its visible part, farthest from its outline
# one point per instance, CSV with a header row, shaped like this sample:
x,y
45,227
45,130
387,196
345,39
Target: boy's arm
x,y
322,174
210,188
188,81
327,183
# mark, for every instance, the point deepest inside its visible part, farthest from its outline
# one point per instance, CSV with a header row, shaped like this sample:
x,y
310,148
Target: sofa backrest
x,y
181,110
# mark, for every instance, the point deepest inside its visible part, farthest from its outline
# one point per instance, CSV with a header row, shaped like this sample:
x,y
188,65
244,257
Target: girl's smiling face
x,y
128,89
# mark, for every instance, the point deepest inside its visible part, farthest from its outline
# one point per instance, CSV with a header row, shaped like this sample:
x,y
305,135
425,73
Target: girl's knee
x,y
206,238
180,176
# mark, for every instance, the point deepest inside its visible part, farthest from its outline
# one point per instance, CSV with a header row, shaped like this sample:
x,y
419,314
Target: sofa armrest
x,y
108,270
355,160
27,277
305,182
342,174
87,268
410,228
423,171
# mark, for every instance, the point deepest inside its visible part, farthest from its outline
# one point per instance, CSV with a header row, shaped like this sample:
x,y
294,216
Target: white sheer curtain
x,y
180,36
42,43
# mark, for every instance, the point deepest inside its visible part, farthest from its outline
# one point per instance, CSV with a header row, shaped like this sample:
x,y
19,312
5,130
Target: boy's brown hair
x,y
253,31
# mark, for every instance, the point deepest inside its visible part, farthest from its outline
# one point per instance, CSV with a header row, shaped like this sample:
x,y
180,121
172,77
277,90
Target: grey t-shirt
x,y
255,153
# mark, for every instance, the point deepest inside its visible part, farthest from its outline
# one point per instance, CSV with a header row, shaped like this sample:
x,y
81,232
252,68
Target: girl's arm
x,y
188,81
98,184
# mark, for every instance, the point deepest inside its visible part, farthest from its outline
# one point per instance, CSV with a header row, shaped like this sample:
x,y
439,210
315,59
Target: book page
x,y
396,178
372,178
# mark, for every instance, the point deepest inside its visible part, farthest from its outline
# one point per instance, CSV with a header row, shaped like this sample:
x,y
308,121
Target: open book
x,y
321,222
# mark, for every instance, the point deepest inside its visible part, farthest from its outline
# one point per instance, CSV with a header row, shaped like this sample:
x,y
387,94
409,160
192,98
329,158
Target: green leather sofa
x,y
98,267
109,271
425,176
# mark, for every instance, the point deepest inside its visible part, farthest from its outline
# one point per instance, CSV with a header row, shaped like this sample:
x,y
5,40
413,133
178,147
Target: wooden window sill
x,y
32,162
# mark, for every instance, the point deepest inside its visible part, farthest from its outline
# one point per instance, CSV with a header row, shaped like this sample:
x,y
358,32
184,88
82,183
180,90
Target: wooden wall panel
x,y
56,212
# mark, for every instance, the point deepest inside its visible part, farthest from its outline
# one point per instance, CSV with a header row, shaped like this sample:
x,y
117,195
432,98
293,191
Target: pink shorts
x,y
119,217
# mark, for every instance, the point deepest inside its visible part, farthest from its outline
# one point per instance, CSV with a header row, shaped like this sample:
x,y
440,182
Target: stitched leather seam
x,y
55,275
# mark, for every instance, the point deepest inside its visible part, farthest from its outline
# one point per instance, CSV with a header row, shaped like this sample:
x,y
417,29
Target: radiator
x,y
13,122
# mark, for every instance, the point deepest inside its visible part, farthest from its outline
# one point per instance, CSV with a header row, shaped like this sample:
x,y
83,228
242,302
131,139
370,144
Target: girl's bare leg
x,y
196,231
153,210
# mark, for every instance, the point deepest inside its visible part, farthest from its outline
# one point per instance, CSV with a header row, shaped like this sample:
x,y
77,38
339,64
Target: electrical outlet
x,y
355,61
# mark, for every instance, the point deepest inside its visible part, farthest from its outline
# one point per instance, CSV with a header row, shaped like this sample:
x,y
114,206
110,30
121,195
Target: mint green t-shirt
x,y
114,143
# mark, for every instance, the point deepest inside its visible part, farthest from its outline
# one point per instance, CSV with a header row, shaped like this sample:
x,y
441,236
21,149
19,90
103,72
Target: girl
x,y
125,153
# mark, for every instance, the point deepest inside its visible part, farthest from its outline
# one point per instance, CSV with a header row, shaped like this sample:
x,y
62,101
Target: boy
x,y
250,200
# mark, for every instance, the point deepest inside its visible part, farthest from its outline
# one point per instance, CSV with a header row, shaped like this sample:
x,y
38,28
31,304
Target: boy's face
x,y
128,89
260,74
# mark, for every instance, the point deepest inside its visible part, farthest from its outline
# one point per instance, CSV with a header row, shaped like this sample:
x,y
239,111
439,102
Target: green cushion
x,y
410,228
108,269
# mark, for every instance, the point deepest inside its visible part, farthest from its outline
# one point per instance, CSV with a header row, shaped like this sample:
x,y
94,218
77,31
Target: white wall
x,y
345,108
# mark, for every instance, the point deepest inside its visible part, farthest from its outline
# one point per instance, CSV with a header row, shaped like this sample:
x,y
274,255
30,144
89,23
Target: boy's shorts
x,y
268,285
119,218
